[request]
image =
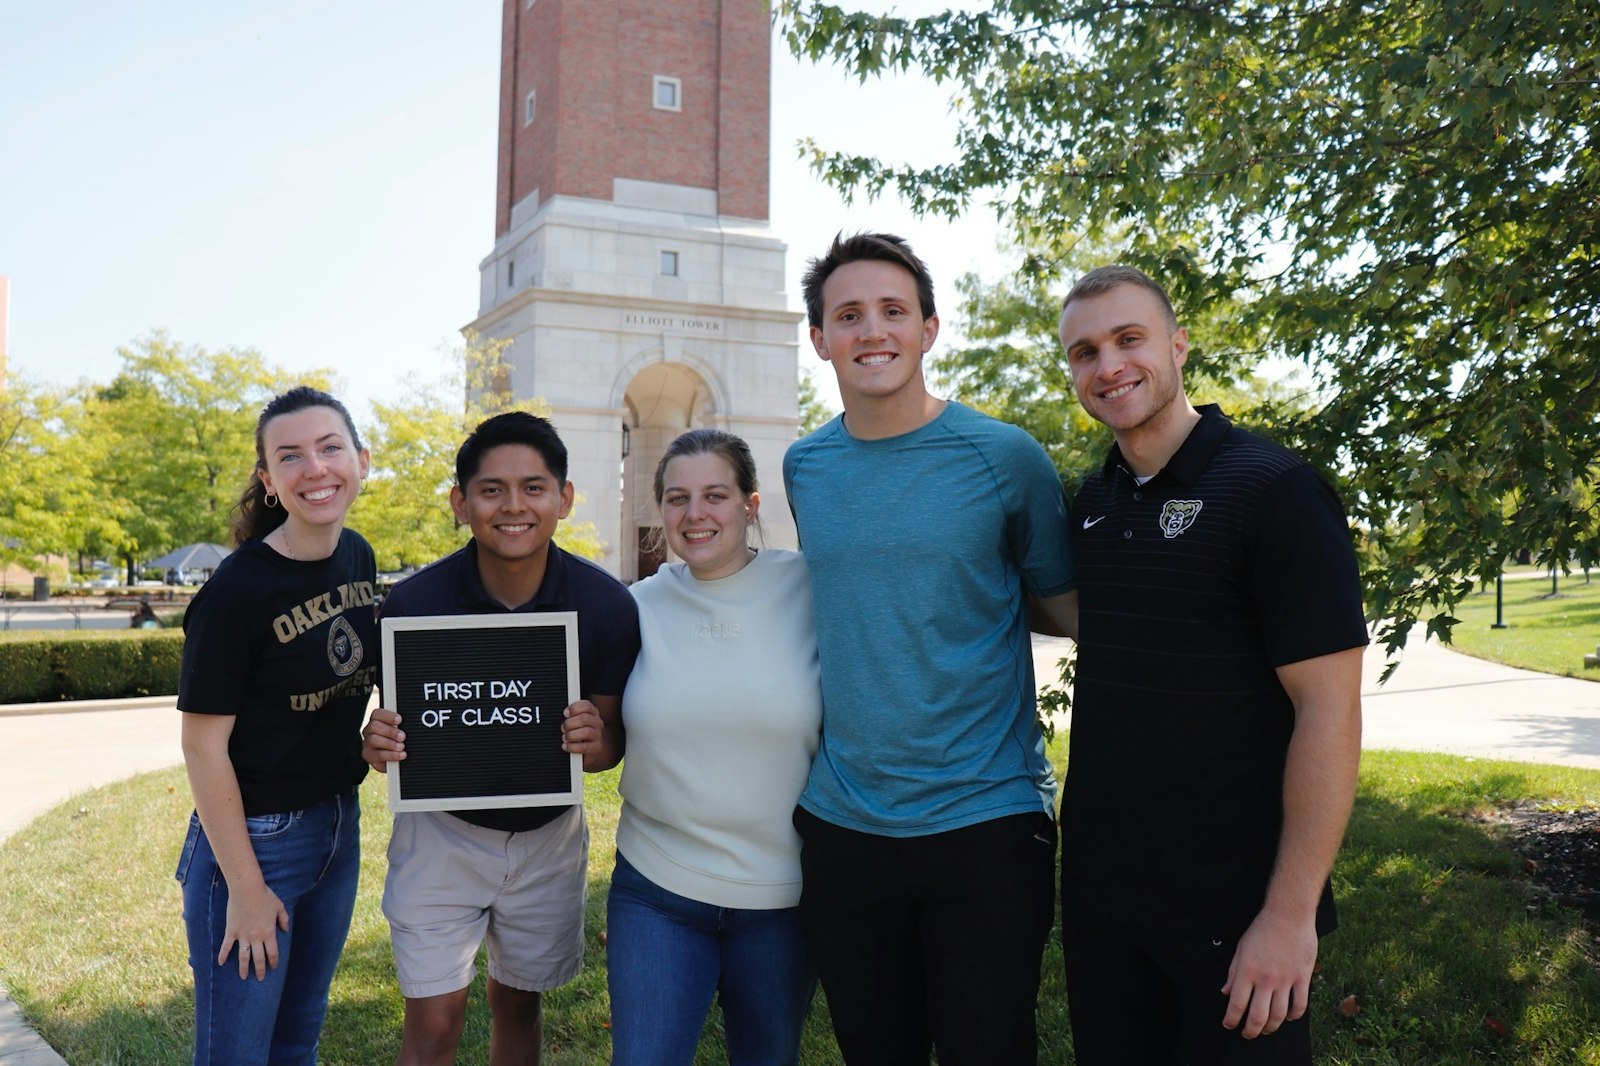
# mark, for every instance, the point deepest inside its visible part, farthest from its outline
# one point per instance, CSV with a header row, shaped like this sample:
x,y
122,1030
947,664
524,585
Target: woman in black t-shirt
x,y
279,660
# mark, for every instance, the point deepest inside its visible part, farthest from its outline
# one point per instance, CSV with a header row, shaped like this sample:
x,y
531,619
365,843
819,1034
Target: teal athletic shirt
x,y
920,548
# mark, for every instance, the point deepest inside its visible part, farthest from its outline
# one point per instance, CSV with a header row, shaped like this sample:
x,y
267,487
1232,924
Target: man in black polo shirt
x,y
1216,724
514,877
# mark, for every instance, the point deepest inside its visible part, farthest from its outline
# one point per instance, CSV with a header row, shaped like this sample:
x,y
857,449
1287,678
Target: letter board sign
x,y
480,698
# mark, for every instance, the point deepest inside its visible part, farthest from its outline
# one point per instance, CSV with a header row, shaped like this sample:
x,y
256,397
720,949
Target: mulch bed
x,y
1561,851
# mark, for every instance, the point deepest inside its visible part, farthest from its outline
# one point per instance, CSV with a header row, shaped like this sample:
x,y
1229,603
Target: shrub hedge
x,y
36,667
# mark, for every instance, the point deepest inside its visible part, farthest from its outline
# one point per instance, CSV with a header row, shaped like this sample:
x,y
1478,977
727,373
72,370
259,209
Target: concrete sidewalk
x,y
1440,700
51,752
1436,701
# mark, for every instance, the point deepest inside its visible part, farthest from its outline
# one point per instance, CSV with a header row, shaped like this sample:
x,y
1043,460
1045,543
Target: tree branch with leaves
x,y
1402,197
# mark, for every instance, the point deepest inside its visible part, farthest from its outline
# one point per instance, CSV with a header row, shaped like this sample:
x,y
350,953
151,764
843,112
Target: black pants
x,y
1150,995
931,940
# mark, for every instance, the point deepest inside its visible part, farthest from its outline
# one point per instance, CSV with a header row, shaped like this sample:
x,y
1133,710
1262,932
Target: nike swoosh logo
x,y
1091,522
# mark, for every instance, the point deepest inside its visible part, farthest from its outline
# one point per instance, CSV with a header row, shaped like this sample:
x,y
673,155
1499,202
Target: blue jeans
x,y
311,859
666,955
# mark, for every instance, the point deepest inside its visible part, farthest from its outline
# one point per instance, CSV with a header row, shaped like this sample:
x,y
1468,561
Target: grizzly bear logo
x,y
1178,515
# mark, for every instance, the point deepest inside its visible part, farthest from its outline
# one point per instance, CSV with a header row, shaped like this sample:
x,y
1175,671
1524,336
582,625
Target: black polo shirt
x,y
1233,560
608,633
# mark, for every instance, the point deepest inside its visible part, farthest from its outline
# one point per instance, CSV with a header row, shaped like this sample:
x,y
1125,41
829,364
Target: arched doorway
x,y
662,399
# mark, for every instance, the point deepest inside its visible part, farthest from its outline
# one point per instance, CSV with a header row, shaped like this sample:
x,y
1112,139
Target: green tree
x,y
1008,364
176,433
89,517
34,518
814,411
54,499
404,509
1007,360
1403,195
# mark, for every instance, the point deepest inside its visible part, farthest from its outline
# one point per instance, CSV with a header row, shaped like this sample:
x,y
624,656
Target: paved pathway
x,y
1436,701
75,614
1439,700
48,757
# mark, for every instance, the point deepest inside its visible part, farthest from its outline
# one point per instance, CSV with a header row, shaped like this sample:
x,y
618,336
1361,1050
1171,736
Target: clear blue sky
x,y
316,180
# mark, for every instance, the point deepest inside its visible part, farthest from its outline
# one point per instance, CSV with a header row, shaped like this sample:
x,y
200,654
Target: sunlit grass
x,y
1548,633
1440,932
94,947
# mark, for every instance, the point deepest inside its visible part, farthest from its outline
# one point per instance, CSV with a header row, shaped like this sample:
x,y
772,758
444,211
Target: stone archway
x,y
662,400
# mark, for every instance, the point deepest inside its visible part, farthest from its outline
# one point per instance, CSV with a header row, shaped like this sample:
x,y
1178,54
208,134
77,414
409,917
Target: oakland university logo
x,y
1177,516
344,648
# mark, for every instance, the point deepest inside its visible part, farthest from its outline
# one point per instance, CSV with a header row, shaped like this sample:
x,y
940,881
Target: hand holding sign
x,y
594,731
382,741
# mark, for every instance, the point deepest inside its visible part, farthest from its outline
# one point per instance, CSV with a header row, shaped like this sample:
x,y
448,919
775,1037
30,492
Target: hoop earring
x,y
270,499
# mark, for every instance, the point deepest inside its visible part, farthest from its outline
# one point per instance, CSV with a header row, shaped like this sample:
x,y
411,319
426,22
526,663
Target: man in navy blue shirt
x,y
1216,722
514,878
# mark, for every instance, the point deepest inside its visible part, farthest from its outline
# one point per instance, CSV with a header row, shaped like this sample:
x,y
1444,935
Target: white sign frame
x,y
393,700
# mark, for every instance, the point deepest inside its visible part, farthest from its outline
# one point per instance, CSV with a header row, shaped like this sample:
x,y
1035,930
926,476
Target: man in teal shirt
x,y
929,838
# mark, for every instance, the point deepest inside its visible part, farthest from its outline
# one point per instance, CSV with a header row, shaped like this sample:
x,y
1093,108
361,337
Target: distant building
x,y
633,267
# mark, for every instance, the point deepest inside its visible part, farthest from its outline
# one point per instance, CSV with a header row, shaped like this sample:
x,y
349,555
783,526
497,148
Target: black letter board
x,y
480,699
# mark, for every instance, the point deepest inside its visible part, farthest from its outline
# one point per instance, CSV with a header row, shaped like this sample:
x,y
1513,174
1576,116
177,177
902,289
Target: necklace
x,y
283,535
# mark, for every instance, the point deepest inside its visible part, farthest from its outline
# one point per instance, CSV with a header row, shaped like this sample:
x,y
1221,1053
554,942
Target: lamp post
x,y
1499,599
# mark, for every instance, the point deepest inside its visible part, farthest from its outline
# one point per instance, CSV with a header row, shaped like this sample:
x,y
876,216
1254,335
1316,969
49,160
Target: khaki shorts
x,y
453,886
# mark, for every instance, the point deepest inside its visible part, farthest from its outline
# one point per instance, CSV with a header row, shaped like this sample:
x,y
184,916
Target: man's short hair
x,y
1102,280
513,427
883,247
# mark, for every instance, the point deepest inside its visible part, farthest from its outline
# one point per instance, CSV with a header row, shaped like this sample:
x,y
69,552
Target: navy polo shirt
x,y
1193,588
608,633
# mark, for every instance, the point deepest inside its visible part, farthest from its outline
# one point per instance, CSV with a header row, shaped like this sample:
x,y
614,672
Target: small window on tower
x,y
528,109
511,273
668,93
529,4
669,264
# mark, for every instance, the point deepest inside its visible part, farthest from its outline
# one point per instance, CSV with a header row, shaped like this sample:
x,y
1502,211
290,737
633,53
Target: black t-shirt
x,y
1194,587
290,648
608,634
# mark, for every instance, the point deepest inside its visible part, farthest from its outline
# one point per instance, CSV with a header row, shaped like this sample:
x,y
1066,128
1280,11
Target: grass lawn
x,y
1449,953
1542,633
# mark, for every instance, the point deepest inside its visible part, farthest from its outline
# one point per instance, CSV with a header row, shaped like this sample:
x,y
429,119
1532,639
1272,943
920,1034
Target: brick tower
x,y
633,269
